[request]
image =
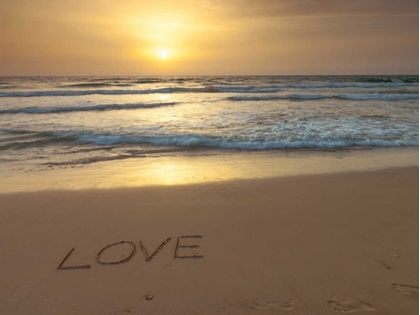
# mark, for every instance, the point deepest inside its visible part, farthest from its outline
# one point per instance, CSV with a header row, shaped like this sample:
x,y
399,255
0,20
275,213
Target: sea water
x,y
77,121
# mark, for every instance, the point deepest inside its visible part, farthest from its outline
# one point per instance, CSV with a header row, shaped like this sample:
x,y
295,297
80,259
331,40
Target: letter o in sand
x,y
120,261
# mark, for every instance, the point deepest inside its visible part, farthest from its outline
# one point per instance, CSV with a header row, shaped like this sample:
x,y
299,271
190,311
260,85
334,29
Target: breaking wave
x,y
302,139
200,141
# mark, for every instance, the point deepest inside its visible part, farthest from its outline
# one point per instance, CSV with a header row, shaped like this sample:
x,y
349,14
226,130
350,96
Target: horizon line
x,y
211,75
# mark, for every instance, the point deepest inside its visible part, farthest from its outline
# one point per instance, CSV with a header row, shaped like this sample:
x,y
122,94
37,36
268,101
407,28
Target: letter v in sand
x,y
149,258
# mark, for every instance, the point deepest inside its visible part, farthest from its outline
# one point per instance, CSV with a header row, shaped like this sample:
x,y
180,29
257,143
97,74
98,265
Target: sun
x,y
163,54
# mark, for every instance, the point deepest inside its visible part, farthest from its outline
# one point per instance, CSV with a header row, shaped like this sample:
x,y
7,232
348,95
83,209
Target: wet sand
x,y
307,244
198,167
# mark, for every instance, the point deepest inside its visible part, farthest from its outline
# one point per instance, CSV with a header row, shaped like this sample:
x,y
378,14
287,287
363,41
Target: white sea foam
x,y
298,133
200,141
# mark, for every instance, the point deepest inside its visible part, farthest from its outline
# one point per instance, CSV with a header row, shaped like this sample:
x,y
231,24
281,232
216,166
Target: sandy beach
x,y
209,157
307,244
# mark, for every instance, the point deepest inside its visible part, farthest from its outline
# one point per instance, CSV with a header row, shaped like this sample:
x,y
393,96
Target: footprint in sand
x,y
265,303
408,290
348,304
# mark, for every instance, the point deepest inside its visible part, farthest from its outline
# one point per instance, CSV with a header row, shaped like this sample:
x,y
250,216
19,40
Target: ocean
x,y
77,121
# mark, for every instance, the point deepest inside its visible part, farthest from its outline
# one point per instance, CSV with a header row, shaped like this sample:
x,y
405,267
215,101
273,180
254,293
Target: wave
x,y
9,87
248,89
94,159
182,142
208,89
95,85
201,141
42,142
380,97
390,80
128,106
308,97
148,81
105,107
277,97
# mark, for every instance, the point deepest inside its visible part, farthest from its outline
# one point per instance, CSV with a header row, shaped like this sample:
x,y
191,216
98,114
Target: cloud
x,y
208,36
288,8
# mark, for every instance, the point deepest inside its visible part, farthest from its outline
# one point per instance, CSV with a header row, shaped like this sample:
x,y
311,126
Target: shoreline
x,y
208,168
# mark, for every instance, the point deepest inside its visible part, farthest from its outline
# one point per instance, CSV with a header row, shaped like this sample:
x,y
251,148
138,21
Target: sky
x,y
209,37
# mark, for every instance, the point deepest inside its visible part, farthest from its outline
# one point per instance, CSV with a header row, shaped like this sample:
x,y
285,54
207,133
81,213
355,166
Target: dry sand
x,y
317,244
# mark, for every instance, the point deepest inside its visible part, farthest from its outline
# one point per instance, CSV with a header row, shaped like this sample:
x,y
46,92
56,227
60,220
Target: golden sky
x,y
208,37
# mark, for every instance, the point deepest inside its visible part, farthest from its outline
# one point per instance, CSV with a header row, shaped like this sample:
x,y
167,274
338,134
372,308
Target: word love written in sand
x,y
133,251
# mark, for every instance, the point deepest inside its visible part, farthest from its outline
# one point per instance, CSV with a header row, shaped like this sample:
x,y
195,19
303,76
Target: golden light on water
x,y
179,170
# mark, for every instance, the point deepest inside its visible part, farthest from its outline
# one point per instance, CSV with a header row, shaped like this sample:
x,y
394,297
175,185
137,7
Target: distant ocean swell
x,y
207,89
67,109
89,82
134,106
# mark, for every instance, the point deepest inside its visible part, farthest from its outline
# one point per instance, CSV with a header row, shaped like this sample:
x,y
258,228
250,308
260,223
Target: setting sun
x,y
163,54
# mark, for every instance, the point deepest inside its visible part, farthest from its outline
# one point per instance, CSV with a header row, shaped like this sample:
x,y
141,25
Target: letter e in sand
x,y
178,245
